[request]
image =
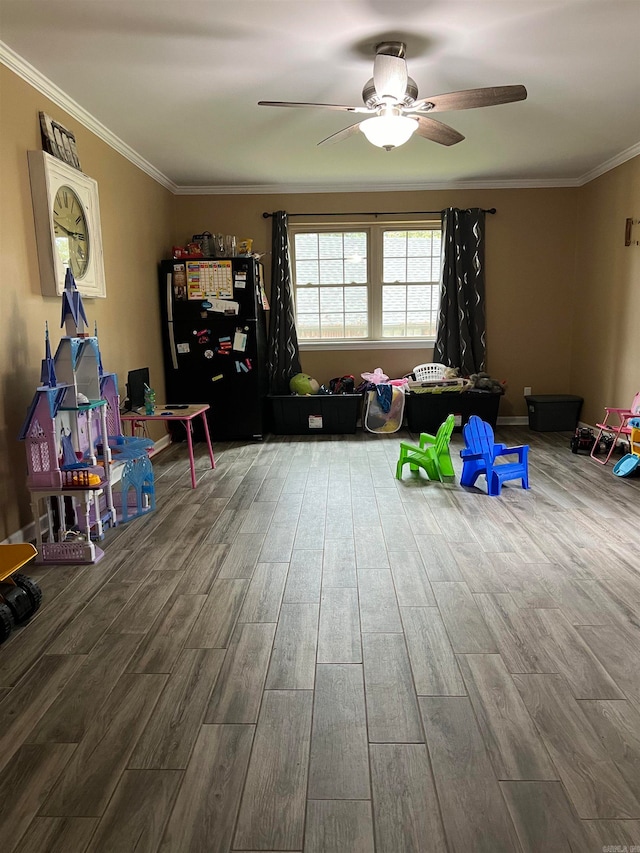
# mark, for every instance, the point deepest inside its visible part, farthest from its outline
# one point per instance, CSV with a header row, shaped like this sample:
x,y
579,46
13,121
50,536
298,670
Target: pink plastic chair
x,y
615,430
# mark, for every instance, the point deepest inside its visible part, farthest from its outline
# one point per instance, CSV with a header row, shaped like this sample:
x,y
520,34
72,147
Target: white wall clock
x,y
67,220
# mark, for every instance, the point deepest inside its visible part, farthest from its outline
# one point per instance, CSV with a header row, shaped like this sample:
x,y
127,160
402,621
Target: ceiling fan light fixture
x,y
388,132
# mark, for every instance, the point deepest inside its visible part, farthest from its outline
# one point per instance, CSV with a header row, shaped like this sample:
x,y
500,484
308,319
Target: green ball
x,y
303,384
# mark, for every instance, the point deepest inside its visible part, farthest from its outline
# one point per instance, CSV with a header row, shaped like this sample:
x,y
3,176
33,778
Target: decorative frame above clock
x,y
67,219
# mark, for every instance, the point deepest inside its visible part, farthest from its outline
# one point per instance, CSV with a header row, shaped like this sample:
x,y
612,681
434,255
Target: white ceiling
x,y
178,84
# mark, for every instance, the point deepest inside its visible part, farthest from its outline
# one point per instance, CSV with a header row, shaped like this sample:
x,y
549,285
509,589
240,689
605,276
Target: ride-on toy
x,y
20,596
583,439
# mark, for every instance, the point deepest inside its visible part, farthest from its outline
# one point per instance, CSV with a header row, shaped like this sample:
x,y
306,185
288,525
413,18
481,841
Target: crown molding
x,y
43,85
416,186
608,165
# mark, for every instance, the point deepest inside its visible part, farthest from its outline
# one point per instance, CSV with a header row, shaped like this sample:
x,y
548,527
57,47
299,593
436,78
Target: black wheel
x,y
6,622
31,588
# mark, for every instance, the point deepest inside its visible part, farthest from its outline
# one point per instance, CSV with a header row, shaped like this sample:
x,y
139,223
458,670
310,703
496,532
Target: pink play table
x,y
163,413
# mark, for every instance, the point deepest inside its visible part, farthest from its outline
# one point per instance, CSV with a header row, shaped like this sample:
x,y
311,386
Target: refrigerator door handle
x,y
172,346
169,297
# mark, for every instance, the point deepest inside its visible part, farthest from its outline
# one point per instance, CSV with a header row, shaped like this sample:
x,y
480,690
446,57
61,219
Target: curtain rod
x,y
266,215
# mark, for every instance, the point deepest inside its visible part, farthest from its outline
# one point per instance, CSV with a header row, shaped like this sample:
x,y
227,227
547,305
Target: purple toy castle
x,y
76,452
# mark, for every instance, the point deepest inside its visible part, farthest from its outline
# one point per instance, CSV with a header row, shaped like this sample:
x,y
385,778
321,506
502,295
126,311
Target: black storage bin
x,y
553,412
321,413
425,412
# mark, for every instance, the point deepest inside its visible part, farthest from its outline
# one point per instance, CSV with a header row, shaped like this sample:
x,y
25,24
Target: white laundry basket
x,y
375,419
423,372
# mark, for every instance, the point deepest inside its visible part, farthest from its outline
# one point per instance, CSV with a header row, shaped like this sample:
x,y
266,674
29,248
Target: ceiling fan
x,y
391,98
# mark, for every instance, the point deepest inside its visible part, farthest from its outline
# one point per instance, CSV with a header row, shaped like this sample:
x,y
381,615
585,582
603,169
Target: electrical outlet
x,y
527,390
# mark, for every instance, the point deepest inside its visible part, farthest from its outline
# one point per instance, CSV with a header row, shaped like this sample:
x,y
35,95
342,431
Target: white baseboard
x,y
524,420
25,534
515,420
161,444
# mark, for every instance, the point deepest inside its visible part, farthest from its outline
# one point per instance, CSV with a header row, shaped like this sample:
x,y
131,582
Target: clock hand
x,y
70,233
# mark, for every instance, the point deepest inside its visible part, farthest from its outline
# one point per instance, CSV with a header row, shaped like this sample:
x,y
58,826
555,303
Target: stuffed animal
x,y
483,382
380,378
303,384
376,377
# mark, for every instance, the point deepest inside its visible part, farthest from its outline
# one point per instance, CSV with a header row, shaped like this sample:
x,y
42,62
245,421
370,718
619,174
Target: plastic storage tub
x,y
425,412
553,412
322,413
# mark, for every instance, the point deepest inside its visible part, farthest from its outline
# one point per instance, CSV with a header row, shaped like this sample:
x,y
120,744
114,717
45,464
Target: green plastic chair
x,y
432,455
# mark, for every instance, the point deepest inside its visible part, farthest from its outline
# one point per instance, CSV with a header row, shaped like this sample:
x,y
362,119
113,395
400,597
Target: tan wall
x,y
540,310
529,264
136,226
606,342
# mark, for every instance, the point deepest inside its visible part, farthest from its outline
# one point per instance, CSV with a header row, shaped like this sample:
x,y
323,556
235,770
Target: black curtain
x,y
284,357
461,334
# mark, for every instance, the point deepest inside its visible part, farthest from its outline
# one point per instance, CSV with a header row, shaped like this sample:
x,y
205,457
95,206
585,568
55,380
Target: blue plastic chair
x,y
480,455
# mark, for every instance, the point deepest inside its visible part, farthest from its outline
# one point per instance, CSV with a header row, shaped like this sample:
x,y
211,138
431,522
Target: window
x,y
371,283
331,284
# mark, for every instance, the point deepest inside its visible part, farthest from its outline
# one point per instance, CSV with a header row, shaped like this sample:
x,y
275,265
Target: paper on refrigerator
x,y
224,306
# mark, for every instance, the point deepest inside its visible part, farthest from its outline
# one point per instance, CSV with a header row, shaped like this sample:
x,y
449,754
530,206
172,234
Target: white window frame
x,y
374,275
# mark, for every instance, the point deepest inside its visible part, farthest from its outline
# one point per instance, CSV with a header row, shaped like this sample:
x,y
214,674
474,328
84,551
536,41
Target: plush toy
x,y
483,382
303,384
376,377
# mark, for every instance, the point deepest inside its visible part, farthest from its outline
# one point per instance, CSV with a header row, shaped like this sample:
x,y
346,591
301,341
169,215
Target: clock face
x,y
71,231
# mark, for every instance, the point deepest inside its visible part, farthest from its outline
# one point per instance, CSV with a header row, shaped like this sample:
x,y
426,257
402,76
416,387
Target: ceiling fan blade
x,y
390,76
341,134
471,98
341,107
436,131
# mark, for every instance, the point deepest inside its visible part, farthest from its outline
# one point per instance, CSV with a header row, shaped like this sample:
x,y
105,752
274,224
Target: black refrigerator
x,y
215,341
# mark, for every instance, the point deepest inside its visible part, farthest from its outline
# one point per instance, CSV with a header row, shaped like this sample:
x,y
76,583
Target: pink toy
x,y
378,378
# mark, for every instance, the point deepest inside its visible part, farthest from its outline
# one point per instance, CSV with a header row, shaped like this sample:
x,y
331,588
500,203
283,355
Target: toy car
x,y
604,443
582,439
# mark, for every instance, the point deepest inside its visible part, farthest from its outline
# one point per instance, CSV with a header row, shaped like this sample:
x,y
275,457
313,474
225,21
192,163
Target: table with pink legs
x,y
185,416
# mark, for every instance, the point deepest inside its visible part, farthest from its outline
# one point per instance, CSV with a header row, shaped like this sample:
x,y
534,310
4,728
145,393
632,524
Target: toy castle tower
x,y
71,426
60,421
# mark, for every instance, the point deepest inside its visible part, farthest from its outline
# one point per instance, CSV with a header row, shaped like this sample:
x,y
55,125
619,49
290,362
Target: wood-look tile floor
x,y
304,654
